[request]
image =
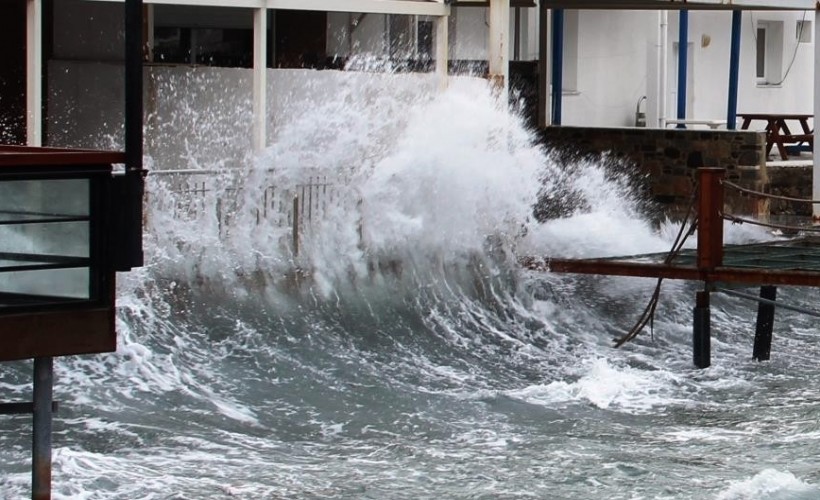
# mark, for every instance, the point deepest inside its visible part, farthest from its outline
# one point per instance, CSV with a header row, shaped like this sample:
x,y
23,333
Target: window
x,y
761,53
803,32
570,70
769,52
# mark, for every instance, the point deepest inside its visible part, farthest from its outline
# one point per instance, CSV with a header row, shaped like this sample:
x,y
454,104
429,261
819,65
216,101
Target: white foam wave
x,y
606,386
770,484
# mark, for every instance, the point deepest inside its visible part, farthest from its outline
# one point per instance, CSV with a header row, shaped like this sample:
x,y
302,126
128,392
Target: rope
x,y
648,314
740,220
775,303
767,195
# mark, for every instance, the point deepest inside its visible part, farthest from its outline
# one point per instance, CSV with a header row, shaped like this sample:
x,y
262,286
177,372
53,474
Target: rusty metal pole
x,y
41,442
710,256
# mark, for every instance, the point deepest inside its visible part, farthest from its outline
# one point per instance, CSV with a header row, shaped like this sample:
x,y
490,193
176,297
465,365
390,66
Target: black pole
x,y
543,81
765,324
41,442
701,332
734,71
557,64
134,184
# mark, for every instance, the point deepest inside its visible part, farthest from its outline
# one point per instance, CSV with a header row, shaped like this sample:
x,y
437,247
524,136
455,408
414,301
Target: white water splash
x,y
770,484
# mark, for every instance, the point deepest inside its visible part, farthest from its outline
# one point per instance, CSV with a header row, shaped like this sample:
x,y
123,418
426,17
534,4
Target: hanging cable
x,y
648,315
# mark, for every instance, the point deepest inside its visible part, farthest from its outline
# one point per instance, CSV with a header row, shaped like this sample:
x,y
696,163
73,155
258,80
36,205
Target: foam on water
x,y
770,484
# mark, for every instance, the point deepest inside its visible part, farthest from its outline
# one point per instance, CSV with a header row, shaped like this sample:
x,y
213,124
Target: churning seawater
x,y
411,357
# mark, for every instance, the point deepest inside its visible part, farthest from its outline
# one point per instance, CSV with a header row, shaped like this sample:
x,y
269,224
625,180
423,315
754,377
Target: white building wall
x,y
612,70
711,37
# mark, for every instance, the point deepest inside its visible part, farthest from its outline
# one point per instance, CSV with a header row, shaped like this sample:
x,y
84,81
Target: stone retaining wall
x,y
666,160
794,182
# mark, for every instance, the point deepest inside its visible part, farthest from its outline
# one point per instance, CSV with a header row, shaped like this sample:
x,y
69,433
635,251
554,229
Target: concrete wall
x,y
613,50
667,160
710,36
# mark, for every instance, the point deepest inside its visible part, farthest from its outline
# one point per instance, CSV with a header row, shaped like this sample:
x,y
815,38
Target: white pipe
x,y
663,70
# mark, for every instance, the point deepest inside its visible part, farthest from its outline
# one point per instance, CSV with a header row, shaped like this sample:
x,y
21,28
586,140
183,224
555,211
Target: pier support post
x,y
41,442
701,332
765,324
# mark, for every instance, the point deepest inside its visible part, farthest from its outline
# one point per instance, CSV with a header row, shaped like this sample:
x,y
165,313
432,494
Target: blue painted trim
x,y
734,70
557,64
683,57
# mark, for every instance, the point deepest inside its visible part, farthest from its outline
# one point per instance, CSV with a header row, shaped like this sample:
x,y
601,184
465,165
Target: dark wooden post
x,y
701,331
41,443
710,222
765,323
710,256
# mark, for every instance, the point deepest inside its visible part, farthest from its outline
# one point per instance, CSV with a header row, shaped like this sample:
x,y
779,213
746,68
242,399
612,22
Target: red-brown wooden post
x,y
710,256
710,222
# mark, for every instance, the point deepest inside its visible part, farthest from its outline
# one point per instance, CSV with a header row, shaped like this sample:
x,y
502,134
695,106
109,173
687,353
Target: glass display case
x,y
58,239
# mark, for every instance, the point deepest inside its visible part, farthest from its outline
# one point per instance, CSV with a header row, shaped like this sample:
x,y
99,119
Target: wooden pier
x,y
793,262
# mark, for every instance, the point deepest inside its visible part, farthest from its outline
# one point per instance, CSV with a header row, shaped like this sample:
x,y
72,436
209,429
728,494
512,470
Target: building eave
x,y
407,7
684,4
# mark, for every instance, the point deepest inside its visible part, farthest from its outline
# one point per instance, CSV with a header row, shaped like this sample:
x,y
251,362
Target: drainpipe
x,y
683,55
734,70
816,149
664,69
557,64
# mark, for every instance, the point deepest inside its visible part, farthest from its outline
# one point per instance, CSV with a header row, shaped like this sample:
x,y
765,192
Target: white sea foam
x,y
770,484
606,386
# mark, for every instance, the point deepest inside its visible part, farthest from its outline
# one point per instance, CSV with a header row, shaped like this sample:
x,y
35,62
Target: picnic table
x,y
778,132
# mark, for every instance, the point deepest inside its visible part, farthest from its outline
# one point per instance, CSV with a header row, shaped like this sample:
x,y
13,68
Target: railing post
x,y
710,221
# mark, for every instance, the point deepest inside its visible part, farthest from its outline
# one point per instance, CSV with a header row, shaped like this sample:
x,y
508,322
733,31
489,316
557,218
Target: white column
x,y
260,78
816,152
499,45
34,72
442,50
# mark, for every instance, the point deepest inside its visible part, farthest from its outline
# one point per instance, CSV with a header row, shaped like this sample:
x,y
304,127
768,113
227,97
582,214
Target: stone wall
x,y
793,182
665,160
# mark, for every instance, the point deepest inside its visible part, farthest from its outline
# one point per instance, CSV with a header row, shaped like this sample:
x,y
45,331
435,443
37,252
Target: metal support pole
x,y
557,64
816,149
543,77
295,226
734,71
41,442
683,56
765,324
132,254
701,332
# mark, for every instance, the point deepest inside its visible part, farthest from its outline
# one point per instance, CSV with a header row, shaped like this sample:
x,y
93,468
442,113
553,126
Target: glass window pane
x,y
40,198
63,283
